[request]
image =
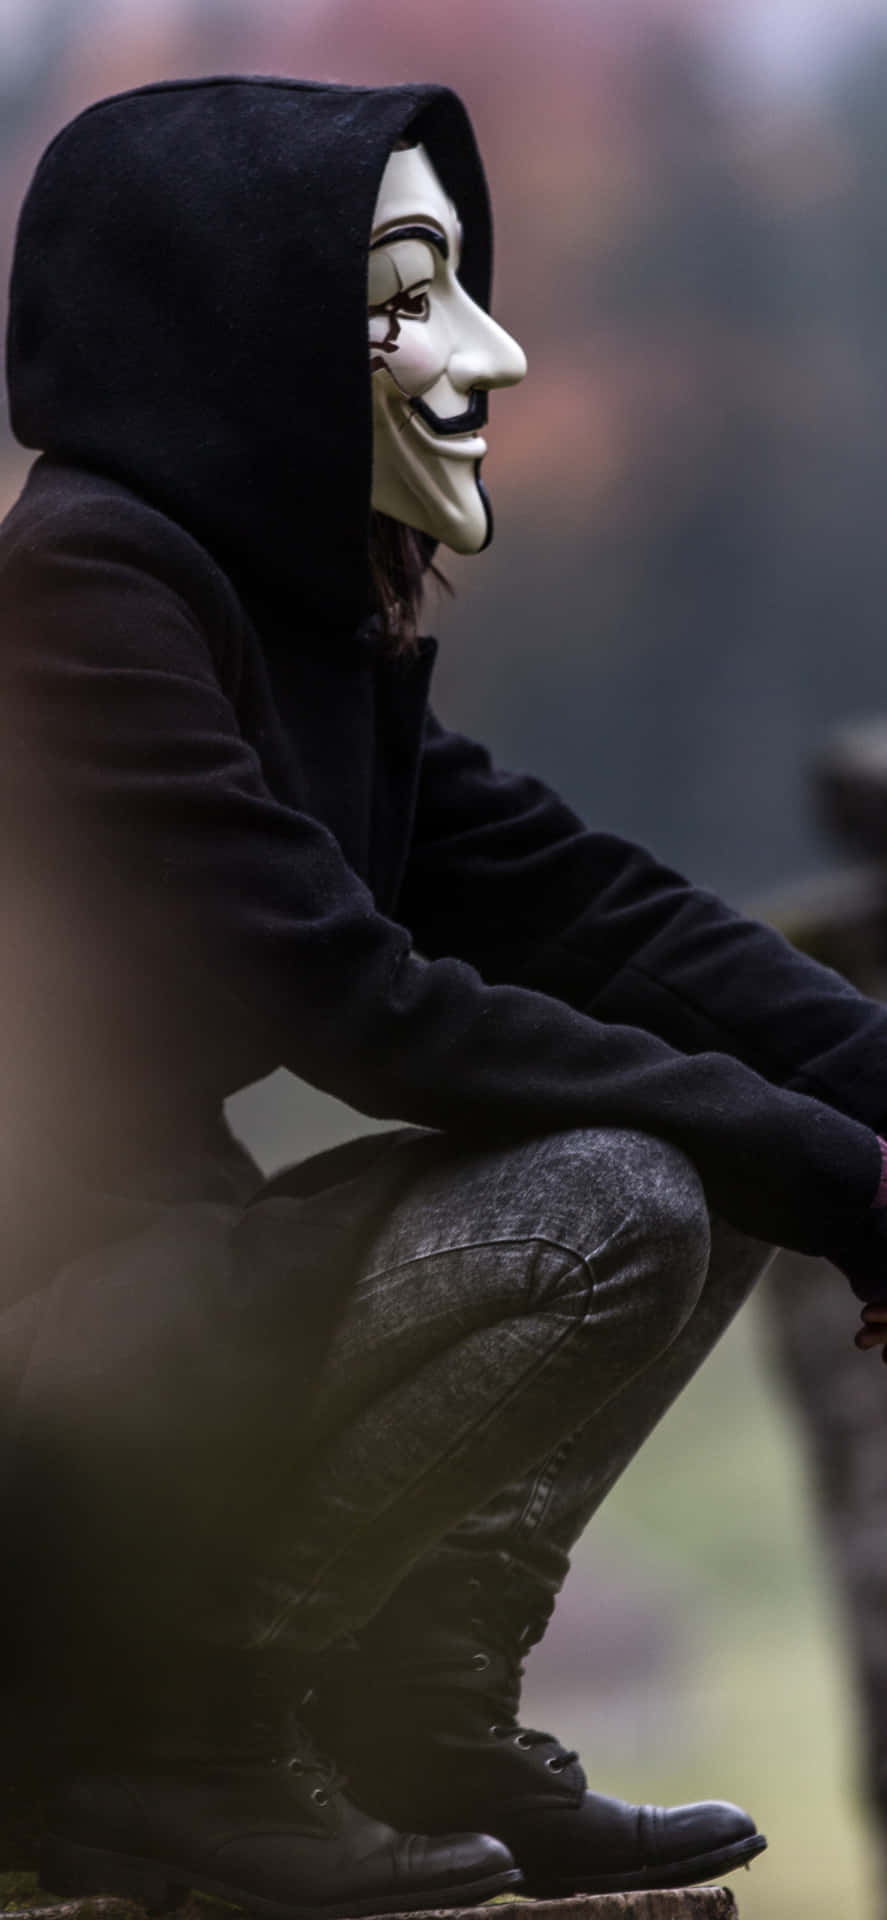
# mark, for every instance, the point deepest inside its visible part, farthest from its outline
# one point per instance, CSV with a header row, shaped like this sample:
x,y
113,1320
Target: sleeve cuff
x,y
880,1199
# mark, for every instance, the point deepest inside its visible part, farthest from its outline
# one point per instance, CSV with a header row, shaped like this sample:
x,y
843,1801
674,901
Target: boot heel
x,y
66,1867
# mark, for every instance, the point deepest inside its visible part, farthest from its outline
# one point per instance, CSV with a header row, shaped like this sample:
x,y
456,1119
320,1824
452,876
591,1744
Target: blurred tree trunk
x,y
840,1398
839,1393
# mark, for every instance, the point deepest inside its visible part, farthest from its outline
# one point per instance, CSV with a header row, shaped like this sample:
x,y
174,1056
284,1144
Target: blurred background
x,y
685,596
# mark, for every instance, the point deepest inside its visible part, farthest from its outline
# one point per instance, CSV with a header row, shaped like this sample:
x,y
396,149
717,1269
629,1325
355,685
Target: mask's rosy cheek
x,y
417,362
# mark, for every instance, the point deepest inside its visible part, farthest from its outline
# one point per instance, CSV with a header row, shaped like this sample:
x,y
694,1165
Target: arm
x,y
505,874
115,724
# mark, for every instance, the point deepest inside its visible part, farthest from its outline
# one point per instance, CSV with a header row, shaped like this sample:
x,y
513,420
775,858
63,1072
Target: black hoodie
x,y
235,836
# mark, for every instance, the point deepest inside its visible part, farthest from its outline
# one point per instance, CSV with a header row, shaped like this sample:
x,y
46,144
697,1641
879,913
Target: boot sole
x,y
69,1868
683,1873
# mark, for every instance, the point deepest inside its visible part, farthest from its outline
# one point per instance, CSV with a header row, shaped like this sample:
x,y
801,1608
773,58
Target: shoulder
x,y
101,542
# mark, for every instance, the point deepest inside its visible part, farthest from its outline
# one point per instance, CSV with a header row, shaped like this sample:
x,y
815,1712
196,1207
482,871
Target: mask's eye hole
x,y
413,302
410,304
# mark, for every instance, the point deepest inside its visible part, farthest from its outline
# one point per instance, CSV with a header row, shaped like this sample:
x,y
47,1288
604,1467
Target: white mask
x,y
433,354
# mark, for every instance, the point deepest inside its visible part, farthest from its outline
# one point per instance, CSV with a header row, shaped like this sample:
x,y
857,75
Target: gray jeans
x,y
525,1317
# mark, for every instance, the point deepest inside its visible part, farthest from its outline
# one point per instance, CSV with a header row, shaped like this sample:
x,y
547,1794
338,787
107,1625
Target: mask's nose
x,y
483,355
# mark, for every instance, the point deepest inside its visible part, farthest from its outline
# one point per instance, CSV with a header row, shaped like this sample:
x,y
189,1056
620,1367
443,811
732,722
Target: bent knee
x,y
646,1227
676,1220
671,1199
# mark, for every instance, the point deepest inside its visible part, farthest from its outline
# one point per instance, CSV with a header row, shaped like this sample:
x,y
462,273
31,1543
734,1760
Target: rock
x,y
678,1903
685,1903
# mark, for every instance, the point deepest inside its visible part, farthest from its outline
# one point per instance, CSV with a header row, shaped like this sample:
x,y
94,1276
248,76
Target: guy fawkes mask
x,y
434,355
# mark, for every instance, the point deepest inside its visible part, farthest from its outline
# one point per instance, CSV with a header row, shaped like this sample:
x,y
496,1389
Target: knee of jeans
x,y
650,1263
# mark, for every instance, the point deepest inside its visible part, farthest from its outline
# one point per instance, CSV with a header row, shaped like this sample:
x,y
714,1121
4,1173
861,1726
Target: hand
x,y
873,1332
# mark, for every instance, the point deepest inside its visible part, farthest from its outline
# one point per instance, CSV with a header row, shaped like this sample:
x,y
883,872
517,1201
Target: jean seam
x,y
476,1246
535,1507
573,1332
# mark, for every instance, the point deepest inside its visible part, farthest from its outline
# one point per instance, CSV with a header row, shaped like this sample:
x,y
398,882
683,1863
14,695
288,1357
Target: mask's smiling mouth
x,y
456,444
473,417
451,436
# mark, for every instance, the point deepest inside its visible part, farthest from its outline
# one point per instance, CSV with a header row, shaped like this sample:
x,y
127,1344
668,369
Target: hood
x,y
188,312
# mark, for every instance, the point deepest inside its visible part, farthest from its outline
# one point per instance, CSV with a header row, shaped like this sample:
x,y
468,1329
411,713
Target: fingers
x,y
863,1341
873,1332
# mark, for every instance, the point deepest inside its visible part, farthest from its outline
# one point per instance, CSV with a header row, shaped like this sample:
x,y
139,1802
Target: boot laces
x,y
287,1743
329,1779
511,1639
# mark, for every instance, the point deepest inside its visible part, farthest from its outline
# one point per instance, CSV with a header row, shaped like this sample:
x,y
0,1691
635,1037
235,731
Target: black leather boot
x,y
260,1821
425,1719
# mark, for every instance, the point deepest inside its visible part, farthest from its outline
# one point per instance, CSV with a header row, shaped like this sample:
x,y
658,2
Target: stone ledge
x,y
681,1903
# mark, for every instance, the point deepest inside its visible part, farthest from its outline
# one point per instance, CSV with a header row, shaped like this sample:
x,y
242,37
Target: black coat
x,y
231,857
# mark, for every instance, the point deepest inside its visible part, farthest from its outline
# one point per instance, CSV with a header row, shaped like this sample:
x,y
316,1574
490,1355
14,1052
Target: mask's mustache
x,y
474,417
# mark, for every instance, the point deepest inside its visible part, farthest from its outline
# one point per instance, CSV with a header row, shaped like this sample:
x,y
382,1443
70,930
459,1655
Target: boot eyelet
x,y
520,1740
294,1766
554,1765
498,1733
480,1662
320,1798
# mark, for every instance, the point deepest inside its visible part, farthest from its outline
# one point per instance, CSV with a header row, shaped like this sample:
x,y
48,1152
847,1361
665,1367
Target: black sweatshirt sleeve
x,y
117,728
505,874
